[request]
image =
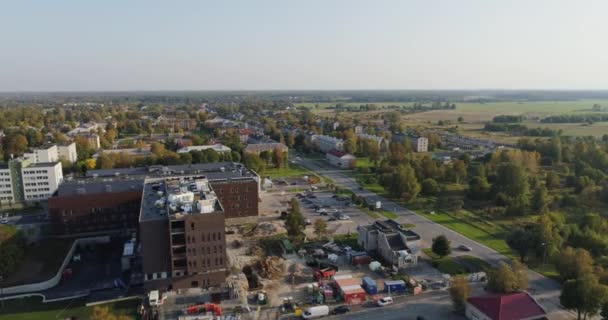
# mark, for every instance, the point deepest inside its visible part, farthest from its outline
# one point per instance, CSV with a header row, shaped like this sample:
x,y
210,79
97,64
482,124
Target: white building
x,y
340,159
420,144
68,152
327,143
380,141
219,148
358,129
6,185
41,180
46,153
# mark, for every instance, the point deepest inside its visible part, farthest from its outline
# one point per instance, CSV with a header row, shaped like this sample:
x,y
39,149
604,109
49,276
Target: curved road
x,y
545,290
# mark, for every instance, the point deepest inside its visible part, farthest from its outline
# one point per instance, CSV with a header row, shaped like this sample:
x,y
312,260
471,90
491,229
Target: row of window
x,y
35,171
37,190
6,192
6,198
5,173
215,250
33,184
5,179
36,178
213,236
218,262
38,196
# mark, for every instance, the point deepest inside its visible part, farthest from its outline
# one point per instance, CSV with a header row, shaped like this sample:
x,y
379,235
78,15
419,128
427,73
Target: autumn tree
x,y
402,183
320,227
460,292
573,263
11,249
104,313
584,294
15,144
505,278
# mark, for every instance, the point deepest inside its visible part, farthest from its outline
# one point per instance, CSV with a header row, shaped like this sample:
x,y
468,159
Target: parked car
x,y
4,221
384,301
462,247
341,309
315,312
307,222
343,217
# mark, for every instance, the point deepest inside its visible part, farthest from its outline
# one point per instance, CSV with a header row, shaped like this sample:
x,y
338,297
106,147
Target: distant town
x,y
302,205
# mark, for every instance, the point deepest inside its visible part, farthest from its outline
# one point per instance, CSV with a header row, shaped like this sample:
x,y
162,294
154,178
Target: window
x,y
192,226
194,284
213,236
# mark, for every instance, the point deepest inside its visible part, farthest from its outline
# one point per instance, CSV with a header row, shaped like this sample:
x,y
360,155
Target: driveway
x,y
545,290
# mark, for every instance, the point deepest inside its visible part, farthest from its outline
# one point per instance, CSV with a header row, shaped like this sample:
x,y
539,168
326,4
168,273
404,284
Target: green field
x,y
325,105
292,170
33,309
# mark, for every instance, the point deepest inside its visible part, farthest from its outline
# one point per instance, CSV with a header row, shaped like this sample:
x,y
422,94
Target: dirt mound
x,y
271,267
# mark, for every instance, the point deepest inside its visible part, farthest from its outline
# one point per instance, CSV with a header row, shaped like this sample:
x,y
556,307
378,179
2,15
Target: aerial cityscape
x,y
254,160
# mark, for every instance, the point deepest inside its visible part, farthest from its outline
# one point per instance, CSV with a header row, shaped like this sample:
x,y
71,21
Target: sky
x,y
118,45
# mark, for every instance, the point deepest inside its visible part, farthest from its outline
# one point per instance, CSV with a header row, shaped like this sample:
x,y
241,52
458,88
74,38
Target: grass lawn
x,y
292,170
456,265
492,240
33,309
389,214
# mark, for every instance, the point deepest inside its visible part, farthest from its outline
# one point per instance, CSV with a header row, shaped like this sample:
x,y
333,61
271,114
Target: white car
x,y
343,217
384,301
4,221
332,211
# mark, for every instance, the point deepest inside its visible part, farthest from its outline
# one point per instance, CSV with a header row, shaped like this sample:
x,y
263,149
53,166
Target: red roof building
x,y
510,306
340,159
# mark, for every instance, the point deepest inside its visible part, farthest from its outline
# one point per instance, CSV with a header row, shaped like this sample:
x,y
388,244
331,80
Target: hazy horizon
x,y
114,46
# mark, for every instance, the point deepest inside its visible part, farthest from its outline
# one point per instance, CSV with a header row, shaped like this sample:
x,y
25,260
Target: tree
x,y
15,144
512,182
441,246
104,313
105,161
520,240
478,188
320,227
460,292
266,155
430,187
295,220
90,163
552,180
253,162
402,184
540,200
460,119
157,149
573,263
505,278
585,295
11,249
279,157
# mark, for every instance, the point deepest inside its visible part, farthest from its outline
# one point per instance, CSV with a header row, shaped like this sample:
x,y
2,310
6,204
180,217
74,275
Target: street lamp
x,y
544,245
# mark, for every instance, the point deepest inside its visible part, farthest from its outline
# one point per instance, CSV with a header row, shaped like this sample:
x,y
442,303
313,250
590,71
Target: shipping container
x,y
394,286
369,285
361,260
353,294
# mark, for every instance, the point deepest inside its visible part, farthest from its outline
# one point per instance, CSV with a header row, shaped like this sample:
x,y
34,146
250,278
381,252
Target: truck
x,y
315,312
325,273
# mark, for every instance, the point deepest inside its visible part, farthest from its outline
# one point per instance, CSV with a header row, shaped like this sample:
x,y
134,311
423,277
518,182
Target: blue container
x,y
394,286
369,285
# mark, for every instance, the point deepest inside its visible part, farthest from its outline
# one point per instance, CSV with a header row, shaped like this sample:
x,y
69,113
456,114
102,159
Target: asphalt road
x,y
545,290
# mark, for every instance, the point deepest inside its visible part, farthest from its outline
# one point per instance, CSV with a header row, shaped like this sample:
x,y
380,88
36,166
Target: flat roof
x,y
42,164
213,171
83,187
156,203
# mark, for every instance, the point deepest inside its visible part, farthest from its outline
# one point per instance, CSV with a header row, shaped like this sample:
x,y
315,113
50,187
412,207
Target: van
x,y
154,298
315,312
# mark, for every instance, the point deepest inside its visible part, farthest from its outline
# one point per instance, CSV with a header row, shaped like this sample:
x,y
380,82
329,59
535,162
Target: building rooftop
x,y
259,147
83,187
518,305
175,197
213,171
43,164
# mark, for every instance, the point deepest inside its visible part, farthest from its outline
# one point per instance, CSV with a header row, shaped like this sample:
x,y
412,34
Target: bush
x,y
430,187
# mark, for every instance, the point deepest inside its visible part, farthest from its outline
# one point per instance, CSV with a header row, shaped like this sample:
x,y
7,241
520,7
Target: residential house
x,y
258,148
218,147
380,141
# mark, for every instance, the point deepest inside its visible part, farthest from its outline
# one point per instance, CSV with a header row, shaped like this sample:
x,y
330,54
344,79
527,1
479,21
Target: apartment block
x,y
24,180
68,152
326,143
45,153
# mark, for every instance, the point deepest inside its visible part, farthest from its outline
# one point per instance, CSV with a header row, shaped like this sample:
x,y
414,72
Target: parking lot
x,y
341,215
